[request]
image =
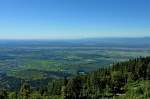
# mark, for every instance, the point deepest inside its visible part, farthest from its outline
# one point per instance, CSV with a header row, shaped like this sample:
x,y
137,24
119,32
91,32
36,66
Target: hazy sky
x,y
55,19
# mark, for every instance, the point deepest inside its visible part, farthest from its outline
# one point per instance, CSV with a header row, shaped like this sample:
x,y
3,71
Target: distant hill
x,y
116,42
92,42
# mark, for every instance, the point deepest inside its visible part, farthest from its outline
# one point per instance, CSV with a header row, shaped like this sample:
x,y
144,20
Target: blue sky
x,y
71,19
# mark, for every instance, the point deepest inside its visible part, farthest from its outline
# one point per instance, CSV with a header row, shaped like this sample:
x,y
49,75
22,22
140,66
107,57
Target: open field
x,y
62,59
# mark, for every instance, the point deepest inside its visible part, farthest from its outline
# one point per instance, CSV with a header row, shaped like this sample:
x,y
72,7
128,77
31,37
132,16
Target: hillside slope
x,y
123,80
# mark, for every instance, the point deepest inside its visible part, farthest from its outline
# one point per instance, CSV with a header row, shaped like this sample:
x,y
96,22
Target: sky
x,y
73,19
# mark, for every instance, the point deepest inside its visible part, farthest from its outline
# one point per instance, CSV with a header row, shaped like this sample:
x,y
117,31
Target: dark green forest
x,y
122,80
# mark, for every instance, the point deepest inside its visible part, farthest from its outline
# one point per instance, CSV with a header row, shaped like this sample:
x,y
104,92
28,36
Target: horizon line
x,y
71,38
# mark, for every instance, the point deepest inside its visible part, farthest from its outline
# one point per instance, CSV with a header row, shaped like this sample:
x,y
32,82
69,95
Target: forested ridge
x,y
122,80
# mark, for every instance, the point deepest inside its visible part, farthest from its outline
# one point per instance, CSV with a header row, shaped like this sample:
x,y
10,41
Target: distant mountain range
x,y
89,42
